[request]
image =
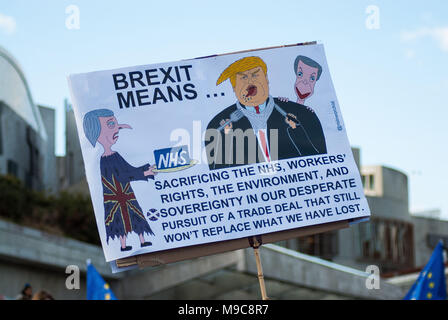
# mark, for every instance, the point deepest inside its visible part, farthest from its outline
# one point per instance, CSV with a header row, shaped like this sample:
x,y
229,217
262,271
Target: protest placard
x,y
215,149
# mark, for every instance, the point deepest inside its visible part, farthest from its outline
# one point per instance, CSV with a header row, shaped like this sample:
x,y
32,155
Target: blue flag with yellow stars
x,y
430,284
97,288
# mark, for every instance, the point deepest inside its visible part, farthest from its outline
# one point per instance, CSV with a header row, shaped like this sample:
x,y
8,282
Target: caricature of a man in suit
x,y
259,128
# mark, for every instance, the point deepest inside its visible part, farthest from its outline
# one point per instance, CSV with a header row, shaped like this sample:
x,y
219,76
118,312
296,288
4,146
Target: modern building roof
x,y
15,93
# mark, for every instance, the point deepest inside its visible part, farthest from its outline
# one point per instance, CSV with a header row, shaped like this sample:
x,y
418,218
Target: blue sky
x,y
391,82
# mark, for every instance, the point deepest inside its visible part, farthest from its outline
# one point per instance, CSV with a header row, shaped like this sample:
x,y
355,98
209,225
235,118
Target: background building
x,y
26,148
71,167
322,266
387,239
50,181
393,239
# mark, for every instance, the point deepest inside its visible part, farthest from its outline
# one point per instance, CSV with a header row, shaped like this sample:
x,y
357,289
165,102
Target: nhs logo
x,y
170,158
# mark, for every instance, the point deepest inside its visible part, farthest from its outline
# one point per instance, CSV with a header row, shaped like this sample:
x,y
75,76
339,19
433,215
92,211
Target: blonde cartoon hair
x,y
241,65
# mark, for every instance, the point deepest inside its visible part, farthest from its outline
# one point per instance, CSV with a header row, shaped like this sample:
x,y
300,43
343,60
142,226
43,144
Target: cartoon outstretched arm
x,y
122,212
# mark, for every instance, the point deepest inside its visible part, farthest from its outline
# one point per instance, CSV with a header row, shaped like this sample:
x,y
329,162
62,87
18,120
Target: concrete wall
x,y
357,156
31,256
40,278
389,197
422,228
348,247
143,284
290,266
15,147
74,164
406,281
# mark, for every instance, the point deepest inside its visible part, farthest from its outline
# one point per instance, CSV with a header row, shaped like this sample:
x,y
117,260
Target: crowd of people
x,y
27,294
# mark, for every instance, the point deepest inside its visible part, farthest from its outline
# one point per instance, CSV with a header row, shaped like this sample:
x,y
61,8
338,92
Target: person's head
x,y
102,126
248,77
307,72
27,290
42,295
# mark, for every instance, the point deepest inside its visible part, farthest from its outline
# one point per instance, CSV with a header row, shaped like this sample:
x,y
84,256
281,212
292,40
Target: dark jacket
x,y
242,147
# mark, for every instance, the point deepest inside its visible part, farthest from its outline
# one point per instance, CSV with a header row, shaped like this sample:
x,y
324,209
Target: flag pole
x,y
256,246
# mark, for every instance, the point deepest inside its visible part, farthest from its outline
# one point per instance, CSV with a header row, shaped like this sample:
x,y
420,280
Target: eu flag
x,y
97,288
430,284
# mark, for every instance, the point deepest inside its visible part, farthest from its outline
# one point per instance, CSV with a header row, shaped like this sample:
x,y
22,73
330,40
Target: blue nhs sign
x,y
172,157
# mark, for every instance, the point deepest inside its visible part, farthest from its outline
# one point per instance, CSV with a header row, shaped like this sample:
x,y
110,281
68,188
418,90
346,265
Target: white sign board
x,y
212,149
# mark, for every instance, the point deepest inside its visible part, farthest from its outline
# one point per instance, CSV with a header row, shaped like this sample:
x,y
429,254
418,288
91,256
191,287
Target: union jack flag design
x,y
122,198
122,212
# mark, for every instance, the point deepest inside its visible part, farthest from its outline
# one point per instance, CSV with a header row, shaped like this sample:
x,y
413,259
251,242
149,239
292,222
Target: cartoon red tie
x,y
257,109
264,144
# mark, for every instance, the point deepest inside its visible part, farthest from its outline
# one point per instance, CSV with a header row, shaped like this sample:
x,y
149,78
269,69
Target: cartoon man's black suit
x,y
305,140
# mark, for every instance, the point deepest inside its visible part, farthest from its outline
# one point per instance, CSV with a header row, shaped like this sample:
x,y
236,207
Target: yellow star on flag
x,y
106,286
107,296
429,295
430,275
431,285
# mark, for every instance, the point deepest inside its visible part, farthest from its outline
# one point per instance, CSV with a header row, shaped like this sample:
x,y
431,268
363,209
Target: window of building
x,y
368,181
323,245
388,242
37,163
371,182
71,167
12,168
34,159
1,129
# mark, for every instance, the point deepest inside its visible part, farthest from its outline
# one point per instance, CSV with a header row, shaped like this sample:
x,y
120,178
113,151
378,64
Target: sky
x,y
388,61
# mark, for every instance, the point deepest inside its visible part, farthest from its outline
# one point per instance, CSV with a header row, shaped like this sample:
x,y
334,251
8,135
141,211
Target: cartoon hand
x,y
291,123
283,99
149,172
228,127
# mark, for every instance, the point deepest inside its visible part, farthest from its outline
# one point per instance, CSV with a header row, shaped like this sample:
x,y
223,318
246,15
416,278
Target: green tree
x,y
65,214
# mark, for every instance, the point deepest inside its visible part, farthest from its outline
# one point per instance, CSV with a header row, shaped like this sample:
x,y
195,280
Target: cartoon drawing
x,y
153,214
308,72
273,129
122,213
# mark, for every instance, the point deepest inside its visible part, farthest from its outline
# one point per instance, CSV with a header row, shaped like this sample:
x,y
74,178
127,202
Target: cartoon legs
x,y
143,243
123,244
